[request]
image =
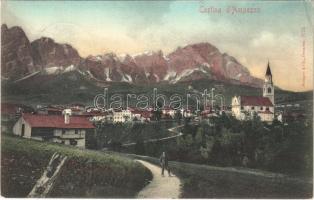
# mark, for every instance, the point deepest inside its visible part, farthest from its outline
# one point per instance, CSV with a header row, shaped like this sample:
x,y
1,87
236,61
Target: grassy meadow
x,y
86,173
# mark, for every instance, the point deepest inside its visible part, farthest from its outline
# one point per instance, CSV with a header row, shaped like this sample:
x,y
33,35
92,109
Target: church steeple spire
x,y
268,71
268,88
268,75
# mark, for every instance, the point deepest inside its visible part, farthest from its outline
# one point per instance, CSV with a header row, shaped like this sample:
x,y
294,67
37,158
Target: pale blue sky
x,y
97,27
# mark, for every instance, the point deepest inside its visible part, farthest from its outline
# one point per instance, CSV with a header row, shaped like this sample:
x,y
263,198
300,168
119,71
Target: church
x,y
244,107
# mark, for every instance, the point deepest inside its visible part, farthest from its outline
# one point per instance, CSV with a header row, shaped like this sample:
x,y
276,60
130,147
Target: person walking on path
x,y
164,163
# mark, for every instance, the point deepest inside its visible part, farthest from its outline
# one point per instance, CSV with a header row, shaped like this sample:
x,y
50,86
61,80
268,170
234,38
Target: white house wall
x,y
70,134
17,128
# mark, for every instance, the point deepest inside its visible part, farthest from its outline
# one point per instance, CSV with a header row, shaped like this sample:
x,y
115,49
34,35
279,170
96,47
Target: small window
x,y
269,90
252,108
63,131
242,108
73,142
261,108
267,108
76,131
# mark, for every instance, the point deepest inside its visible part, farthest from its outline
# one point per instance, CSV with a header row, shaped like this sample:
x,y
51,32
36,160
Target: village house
x,y
168,111
186,112
50,110
64,129
244,107
121,115
100,116
141,115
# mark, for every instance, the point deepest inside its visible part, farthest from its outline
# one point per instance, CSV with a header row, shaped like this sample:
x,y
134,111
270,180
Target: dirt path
x,y
160,186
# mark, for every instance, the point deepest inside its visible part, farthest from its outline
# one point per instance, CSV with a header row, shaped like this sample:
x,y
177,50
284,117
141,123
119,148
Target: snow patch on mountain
x,y
147,53
90,74
70,68
157,77
53,70
170,75
99,58
122,56
26,77
238,76
107,72
186,73
206,65
126,78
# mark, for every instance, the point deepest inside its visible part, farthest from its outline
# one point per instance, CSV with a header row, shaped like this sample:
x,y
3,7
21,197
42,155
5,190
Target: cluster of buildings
x,y
70,124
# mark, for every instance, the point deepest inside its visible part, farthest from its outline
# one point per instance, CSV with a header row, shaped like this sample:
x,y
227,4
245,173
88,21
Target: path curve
x,y
160,186
172,130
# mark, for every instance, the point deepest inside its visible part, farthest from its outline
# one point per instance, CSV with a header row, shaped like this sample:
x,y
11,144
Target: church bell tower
x,y
268,88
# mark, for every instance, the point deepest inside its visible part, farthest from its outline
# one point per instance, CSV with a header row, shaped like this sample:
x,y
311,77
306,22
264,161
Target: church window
x,y
269,90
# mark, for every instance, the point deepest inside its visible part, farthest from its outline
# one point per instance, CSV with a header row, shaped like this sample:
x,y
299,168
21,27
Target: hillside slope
x,y
74,86
85,174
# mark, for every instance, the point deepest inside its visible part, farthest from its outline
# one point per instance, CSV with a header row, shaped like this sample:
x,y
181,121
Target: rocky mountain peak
x,y
47,53
16,58
191,62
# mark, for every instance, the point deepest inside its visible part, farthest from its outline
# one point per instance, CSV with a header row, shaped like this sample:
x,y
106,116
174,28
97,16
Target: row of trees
x,y
226,141
112,136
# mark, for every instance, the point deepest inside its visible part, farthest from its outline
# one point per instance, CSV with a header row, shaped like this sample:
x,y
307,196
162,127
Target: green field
x,y
86,173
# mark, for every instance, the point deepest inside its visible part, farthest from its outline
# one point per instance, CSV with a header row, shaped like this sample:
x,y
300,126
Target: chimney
x,y
67,113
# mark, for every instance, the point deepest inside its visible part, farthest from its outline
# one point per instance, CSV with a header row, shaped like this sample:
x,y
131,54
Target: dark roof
x,y
57,121
268,71
255,101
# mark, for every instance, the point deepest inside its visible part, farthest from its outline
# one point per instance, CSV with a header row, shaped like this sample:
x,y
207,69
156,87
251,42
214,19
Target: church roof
x,y
255,101
268,71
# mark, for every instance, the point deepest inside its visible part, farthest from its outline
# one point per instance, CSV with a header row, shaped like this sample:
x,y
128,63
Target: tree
x,y
178,116
157,112
139,147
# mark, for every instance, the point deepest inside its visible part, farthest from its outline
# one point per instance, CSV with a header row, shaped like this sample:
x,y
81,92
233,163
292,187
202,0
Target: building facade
x,y
245,107
120,116
69,130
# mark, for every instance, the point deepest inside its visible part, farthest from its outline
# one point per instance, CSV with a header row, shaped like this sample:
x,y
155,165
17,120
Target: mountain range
x,y
22,58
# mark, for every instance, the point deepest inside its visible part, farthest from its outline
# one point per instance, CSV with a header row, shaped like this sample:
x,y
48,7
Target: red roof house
x,y
57,121
63,129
